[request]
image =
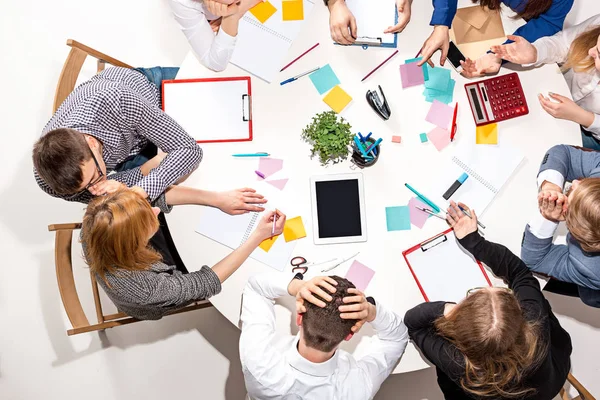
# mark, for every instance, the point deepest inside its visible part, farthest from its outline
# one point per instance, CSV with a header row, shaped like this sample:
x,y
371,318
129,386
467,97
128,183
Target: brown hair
x,y
116,229
583,215
322,328
578,57
533,8
499,345
58,157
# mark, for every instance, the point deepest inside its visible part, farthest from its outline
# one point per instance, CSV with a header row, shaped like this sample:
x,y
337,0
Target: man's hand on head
x,y
306,291
357,307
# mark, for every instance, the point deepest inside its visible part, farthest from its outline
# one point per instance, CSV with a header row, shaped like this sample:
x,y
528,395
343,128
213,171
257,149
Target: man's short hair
x,y
58,157
322,328
583,215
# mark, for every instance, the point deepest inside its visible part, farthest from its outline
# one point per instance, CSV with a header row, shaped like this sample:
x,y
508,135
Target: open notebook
x,y
372,18
488,167
443,269
261,48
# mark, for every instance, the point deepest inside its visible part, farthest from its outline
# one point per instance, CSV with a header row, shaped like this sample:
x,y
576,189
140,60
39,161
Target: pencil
x,y
274,220
379,66
299,57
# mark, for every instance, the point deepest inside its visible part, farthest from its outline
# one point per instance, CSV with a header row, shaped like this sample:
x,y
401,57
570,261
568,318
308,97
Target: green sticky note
x,y
424,66
444,96
398,218
423,137
439,78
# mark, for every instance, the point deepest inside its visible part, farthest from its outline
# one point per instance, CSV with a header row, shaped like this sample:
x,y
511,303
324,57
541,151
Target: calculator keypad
x,y
506,97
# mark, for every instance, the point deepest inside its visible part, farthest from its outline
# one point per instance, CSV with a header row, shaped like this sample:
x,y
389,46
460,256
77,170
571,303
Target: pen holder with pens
x,y
360,160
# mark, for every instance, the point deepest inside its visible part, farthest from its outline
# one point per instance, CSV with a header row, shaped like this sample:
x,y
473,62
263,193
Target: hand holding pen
x,y
462,219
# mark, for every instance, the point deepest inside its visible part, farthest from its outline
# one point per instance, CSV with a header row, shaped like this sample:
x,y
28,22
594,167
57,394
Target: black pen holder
x,y
359,160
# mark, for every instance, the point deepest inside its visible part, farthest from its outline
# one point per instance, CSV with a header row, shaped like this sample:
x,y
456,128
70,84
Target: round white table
x,y
281,112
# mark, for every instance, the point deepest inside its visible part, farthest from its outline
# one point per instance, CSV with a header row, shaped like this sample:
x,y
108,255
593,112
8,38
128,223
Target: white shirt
x,y
214,51
584,85
541,227
273,368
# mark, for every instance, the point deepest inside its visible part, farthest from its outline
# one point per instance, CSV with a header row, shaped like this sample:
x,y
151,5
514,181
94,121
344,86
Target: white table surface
x,y
281,112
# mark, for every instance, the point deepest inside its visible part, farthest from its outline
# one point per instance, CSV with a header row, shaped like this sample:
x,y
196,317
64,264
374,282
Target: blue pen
x,y
372,147
295,78
362,139
368,136
362,150
423,198
251,155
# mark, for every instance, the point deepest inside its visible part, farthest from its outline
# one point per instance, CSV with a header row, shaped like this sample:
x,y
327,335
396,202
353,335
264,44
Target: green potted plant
x,y
330,138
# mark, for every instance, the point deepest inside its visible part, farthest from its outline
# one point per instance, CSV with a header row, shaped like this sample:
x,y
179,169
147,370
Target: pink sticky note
x,y
360,275
411,75
268,166
440,114
439,137
279,183
396,139
417,217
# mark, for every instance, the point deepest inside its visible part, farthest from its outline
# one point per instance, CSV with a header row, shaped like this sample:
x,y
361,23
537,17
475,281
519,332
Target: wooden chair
x,y
68,291
72,68
583,392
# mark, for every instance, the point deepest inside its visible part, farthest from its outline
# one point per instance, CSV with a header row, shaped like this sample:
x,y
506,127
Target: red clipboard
x,y
423,274
211,110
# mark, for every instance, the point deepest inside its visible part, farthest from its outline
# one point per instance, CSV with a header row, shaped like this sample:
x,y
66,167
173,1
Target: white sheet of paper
x,y
373,17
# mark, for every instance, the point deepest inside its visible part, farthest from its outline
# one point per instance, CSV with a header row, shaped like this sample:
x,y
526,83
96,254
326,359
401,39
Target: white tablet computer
x,y
338,208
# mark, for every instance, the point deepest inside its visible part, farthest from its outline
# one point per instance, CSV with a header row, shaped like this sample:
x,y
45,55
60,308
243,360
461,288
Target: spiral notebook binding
x,y
475,175
264,28
250,228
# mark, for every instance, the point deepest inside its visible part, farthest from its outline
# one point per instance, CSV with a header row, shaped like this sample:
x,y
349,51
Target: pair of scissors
x,y
300,264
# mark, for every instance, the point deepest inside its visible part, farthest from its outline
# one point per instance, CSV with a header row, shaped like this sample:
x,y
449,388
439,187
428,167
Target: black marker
x,y
458,183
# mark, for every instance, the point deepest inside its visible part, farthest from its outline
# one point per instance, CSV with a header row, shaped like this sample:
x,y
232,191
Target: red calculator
x,y
496,99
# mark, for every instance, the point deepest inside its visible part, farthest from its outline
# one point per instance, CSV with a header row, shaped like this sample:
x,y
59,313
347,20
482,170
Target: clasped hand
x,y
553,205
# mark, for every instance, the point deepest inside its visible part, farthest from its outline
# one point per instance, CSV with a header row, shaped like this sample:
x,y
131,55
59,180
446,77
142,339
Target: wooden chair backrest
x,y
72,68
584,394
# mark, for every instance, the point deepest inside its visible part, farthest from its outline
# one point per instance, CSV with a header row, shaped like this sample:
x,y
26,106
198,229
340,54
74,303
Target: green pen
x,y
251,155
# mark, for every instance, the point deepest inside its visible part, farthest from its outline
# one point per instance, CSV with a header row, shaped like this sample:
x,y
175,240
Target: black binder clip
x,y
381,107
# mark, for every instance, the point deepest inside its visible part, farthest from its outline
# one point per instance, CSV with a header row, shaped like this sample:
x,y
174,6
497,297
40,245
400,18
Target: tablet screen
x,y
338,208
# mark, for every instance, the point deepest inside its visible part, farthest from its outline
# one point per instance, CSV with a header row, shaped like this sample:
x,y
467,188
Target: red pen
x,y
299,57
380,65
454,125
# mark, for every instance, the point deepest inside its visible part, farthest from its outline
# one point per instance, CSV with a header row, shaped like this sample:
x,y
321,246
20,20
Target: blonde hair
x,y
500,347
116,229
583,215
578,58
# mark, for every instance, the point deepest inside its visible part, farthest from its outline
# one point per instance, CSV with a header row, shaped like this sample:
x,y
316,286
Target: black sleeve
x,y
443,354
508,266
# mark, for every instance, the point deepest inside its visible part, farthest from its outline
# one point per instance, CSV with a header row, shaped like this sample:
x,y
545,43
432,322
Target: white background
x,y
181,357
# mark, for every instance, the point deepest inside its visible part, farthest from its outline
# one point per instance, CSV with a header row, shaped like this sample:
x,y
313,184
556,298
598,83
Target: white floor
x,y
182,357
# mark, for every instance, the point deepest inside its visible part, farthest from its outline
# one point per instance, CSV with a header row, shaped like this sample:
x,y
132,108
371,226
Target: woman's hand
x,y
305,291
340,19
240,201
553,205
404,12
487,64
459,221
566,109
518,52
106,186
264,230
438,40
221,8
361,310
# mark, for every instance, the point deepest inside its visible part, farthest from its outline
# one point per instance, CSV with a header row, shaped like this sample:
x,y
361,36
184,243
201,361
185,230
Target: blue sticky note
x,y
424,66
398,218
324,79
444,96
423,137
439,78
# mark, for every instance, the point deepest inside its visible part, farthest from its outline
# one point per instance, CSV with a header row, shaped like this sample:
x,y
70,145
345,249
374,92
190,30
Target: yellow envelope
x,y
294,229
268,243
487,134
292,10
263,11
337,99
476,24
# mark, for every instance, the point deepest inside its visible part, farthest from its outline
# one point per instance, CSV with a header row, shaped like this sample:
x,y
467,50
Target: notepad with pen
x,y
212,109
372,18
443,270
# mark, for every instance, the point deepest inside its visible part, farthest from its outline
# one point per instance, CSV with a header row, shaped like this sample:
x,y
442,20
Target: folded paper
x,y
476,24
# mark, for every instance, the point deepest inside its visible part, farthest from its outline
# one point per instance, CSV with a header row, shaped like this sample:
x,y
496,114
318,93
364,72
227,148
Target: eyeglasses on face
x,y
473,290
98,178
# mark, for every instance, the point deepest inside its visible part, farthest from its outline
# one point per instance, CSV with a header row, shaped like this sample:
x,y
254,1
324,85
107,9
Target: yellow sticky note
x,y
337,99
268,243
487,134
263,11
294,229
292,10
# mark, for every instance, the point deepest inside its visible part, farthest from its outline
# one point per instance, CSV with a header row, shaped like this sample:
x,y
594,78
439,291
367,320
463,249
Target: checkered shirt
x,y
121,108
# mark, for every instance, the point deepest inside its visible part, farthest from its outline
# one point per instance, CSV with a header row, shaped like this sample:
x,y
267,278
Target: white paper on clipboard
x,y
444,270
211,110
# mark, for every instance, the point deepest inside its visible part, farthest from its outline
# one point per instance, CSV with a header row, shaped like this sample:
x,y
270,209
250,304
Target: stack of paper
x,y
439,86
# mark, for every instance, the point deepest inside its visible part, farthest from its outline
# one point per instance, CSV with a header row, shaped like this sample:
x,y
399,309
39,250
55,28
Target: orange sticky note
x,y
487,134
263,11
268,243
337,99
294,229
292,10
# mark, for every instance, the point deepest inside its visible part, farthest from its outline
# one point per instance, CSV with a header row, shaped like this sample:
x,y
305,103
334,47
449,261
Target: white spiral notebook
x,y
488,167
